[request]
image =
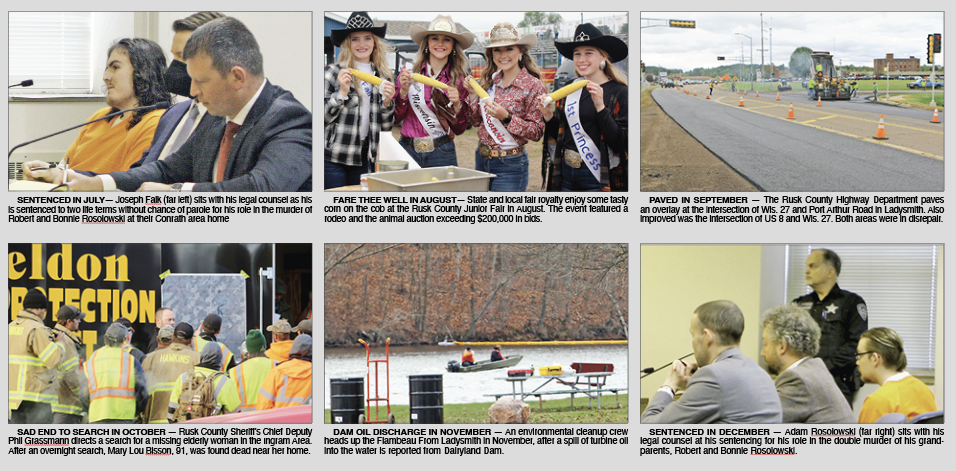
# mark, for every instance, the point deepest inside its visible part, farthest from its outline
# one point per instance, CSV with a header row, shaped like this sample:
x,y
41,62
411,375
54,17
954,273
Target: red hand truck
x,y
365,419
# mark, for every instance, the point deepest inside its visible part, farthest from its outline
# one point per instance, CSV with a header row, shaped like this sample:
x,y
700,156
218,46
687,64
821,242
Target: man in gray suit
x,y
808,393
728,387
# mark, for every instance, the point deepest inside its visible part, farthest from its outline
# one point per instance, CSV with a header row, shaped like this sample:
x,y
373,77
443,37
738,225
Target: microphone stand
x,y
649,371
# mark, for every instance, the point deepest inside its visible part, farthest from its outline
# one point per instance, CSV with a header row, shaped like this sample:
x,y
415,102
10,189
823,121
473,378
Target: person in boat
x,y
496,353
468,357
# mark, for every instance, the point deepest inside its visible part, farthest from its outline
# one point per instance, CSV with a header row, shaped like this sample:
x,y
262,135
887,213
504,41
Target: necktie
x,y
186,130
224,146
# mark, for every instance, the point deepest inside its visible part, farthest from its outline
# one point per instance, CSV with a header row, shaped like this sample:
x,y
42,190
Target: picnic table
x,y
589,384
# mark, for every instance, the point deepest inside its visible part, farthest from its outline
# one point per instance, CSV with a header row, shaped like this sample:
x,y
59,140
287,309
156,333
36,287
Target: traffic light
x,y
683,24
937,43
720,58
929,49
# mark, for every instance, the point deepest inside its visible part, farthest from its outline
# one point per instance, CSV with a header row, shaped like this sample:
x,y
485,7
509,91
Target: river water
x,y
462,388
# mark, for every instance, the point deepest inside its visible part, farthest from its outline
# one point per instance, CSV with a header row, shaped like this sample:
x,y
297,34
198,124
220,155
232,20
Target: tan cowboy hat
x,y
442,24
505,34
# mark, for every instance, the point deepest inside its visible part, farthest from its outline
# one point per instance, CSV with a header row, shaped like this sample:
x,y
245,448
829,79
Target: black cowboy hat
x,y
358,21
587,35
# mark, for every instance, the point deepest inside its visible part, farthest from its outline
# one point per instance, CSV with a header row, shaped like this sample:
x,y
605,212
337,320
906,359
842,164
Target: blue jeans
x,y
578,179
511,172
443,155
338,175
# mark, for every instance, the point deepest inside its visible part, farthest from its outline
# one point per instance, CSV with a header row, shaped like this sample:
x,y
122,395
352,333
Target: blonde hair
x,y
456,60
611,72
524,62
378,59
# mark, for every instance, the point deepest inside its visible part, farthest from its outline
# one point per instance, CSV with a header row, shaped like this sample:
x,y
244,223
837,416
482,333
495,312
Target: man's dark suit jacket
x,y
271,152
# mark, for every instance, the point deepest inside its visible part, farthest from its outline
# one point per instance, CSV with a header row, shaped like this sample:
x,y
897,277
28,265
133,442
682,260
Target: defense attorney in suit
x,y
263,144
728,387
808,393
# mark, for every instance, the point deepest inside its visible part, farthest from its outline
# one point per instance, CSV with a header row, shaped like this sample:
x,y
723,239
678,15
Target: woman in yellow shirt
x,y
134,77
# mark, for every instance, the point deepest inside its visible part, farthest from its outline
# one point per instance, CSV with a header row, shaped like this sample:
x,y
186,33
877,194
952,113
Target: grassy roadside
x,y
556,411
646,99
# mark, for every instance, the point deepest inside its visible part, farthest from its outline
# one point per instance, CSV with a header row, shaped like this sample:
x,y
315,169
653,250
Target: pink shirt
x,y
413,127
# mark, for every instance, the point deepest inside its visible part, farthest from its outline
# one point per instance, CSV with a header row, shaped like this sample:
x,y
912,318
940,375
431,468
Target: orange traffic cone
x,y
778,96
819,103
881,130
745,92
935,116
790,116
758,93
741,101
695,92
708,97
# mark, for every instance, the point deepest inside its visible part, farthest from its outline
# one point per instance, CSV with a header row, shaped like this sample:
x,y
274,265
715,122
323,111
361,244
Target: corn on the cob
x,y
429,81
482,94
365,77
566,90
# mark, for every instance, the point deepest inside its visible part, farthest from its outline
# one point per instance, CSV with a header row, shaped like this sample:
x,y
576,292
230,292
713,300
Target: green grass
x,y
646,99
556,411
925,98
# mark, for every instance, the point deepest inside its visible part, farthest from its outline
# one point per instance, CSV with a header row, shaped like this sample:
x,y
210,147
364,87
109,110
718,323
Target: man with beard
x,y
808,393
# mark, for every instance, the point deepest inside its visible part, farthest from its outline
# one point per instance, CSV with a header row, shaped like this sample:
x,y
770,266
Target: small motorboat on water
x,y
484,365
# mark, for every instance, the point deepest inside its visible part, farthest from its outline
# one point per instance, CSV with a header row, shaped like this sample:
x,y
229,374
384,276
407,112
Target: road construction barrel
x,y
348,399
426,399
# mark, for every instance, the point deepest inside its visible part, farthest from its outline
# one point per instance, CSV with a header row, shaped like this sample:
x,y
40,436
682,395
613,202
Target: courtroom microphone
x,y
25,83
162,104
650,370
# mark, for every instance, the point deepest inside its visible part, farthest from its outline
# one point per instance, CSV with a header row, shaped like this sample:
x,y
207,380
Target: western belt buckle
x,y
573,159
485,151
424,145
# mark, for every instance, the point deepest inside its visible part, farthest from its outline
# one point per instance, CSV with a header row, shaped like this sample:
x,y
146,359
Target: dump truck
x,y
826,80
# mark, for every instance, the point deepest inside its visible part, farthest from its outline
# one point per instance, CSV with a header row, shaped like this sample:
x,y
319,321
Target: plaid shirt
x,y
342,121
521,100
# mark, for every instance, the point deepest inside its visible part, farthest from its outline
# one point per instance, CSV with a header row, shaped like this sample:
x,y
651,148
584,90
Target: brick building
x,y
896,65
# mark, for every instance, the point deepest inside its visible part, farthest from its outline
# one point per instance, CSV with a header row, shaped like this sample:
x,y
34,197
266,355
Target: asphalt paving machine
x,y
826,79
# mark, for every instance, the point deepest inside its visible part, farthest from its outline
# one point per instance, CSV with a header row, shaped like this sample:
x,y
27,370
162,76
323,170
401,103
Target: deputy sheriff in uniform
x,y
71,391
35,352
842,318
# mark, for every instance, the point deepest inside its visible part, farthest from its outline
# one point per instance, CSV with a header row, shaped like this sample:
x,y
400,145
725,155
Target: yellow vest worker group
x,y
33,360
289,383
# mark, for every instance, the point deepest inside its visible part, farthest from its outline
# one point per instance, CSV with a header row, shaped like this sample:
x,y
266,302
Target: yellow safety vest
x,y
226,354
112,380
248,377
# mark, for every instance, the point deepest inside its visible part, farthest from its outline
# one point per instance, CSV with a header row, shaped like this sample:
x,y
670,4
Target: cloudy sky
x,y
852,37
477,21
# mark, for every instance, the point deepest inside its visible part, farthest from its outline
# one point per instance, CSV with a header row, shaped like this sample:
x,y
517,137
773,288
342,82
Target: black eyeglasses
x,y
859,354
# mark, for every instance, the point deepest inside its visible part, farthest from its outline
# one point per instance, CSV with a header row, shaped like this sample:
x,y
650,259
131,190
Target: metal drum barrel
x,y
426,399
348,399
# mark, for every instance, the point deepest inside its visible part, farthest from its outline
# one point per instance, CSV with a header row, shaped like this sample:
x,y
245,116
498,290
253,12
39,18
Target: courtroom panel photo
x,y
160,333
160,101
797,333
476,334
476,101
787,101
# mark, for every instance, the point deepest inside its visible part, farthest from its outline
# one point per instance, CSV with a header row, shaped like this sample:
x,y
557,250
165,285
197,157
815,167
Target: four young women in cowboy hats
x,y
590,125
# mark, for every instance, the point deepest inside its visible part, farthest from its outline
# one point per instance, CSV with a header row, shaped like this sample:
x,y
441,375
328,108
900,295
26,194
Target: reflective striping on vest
x,y
45,354
241,387
123,390
35,397
283,398
68,365
265,392
161,387
67,409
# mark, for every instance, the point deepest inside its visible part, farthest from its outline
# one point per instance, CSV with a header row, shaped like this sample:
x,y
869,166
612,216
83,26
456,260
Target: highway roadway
x,y
828,148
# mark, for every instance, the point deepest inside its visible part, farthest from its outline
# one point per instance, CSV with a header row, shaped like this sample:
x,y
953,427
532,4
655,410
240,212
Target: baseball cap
x,y
280,326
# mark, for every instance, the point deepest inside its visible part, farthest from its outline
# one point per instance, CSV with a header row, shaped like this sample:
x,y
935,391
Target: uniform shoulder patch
x,y
861,308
